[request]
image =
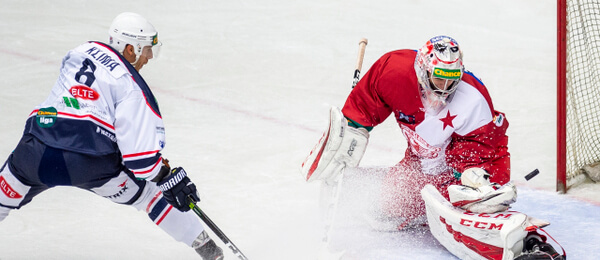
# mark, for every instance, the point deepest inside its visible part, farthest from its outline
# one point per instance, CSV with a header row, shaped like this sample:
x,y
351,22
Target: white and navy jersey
x,y
101,105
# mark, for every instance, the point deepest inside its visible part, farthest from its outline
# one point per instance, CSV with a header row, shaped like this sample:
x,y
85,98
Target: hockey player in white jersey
x,y
101,130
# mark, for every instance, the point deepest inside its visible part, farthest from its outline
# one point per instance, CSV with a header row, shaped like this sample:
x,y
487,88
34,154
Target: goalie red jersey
x,y
466,132
461,131
445,113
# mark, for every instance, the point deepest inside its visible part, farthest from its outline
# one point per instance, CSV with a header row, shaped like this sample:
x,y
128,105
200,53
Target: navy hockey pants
x,y
36,167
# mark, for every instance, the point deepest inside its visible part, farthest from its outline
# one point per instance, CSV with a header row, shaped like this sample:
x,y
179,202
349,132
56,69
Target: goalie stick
x,y
362,45
216,229
334,187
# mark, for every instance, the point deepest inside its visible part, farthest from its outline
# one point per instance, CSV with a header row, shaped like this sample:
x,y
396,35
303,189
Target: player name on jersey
x,y
103,58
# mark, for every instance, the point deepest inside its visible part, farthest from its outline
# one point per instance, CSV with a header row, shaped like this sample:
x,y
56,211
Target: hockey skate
x,y
536,248
207,248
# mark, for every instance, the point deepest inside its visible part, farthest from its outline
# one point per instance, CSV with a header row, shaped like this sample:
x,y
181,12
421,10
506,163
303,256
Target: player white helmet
x,y
439,68
135,30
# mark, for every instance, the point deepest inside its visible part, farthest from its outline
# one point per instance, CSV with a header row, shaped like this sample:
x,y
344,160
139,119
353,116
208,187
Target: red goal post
x,y
578,92
561,181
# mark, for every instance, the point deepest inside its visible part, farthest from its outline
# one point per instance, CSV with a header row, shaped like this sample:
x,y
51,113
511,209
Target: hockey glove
x,y
177,187
477,194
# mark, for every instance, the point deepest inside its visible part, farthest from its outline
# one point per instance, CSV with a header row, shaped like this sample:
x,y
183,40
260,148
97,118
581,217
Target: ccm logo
x,y
480,224
8,191
84,92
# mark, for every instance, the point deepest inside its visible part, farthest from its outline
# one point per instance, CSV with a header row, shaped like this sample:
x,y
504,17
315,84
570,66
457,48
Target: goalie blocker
x,y
340,146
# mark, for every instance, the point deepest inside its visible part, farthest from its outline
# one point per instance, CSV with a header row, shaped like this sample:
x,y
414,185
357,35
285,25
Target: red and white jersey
x,y
467,132
101,105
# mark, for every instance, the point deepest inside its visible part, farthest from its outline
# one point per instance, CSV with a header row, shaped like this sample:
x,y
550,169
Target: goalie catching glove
x,y
477,194
177,187
341,146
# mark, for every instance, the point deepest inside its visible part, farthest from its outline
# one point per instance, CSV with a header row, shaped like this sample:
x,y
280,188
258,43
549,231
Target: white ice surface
x,y
244,88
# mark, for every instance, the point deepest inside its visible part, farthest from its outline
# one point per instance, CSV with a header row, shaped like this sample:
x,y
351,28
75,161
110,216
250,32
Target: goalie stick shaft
x,y
331,188
216,230
362,45
334,186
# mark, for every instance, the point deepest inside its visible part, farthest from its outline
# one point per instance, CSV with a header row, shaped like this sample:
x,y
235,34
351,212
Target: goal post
x,y
578,91
561,181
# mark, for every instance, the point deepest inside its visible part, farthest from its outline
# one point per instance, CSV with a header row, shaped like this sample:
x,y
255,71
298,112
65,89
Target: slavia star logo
x,y
448,120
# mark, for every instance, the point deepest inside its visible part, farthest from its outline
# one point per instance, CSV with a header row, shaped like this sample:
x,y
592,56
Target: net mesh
x,y
583,85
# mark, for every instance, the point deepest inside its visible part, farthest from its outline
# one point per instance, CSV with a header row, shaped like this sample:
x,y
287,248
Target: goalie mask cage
x,y
578,84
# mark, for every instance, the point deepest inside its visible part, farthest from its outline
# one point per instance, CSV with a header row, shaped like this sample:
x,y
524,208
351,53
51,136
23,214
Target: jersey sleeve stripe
x,y
142,171
140,154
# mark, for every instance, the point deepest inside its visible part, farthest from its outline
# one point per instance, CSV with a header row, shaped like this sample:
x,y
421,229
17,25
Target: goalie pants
x,y
402,189
34,167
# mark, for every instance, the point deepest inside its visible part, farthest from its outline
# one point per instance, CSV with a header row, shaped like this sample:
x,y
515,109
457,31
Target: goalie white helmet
x,y
439,69
135,30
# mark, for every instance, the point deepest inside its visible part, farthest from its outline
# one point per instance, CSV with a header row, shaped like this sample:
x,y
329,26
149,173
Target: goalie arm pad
x,y
477,194
341,146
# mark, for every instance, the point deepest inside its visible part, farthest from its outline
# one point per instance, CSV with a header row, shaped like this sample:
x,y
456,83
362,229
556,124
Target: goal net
x,y
579,94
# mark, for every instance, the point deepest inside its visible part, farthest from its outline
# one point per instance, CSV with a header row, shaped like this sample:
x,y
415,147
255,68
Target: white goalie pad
x,y
470,235
341,146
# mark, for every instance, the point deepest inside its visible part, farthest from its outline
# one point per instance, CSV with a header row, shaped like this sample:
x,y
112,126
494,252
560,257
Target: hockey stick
x,y
332,189
216,229
334,186
362,45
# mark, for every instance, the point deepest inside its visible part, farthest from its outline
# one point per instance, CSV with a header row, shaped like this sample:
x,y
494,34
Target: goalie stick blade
x,y
539,223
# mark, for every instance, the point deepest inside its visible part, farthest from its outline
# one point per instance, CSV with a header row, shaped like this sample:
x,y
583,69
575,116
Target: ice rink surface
x,y
244,88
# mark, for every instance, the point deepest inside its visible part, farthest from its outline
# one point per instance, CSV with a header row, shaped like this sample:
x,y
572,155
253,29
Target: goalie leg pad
x,y
474,235
341,146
